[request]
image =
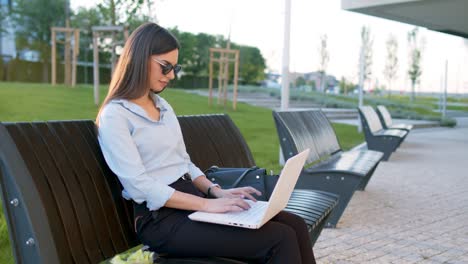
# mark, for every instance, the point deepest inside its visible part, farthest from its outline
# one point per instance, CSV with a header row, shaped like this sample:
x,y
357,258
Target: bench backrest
x,y
69,203
215,140
298,130
370,119
68,206
385,116
326,141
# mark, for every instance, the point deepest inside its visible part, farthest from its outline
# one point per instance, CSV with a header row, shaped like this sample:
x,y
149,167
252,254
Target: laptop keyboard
x,y
254,214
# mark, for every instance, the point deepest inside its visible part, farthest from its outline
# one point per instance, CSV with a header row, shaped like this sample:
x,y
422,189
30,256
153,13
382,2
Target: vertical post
x,y
126,32
444,103
361,83
96,67
67,58
113,55
220,75
210,80
236,76
285,66
226,78
76,48
53,62
361,74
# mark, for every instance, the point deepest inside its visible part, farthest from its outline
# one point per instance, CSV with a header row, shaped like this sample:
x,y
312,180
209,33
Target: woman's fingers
x,y
250,197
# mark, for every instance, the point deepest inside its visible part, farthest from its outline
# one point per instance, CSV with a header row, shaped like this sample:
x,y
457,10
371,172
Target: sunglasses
x,y
167,67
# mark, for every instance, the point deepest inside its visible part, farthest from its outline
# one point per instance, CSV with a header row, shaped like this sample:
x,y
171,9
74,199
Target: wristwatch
x,y
208,192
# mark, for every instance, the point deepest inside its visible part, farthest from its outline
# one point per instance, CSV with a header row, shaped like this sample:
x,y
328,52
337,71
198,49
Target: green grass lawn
x,y
34,102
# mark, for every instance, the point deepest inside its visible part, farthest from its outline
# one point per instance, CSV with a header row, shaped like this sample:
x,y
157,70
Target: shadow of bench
x,y
378,138
333,170
387,122
64,205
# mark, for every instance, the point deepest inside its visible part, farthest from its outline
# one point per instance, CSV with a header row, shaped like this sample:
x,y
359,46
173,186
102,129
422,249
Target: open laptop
x,y
260,211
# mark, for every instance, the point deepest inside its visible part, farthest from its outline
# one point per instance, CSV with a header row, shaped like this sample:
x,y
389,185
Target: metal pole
x,y
96,67
444,103
285,66
361,74
361,83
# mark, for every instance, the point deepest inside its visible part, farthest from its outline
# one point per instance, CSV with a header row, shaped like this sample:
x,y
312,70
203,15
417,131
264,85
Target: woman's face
x,y
158,80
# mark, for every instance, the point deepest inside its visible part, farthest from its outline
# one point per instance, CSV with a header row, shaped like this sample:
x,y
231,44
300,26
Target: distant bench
x,y
377,137
333,170
64,205
387,122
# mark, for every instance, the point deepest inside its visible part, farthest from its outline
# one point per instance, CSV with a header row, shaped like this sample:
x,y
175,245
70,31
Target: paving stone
x,y
414,209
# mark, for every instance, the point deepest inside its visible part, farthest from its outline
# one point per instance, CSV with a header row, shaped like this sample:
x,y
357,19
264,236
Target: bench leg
x,y
341,184
315,235
386,145
362,185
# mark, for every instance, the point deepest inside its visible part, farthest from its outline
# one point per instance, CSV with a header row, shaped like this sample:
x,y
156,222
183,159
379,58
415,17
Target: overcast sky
x,y
260,23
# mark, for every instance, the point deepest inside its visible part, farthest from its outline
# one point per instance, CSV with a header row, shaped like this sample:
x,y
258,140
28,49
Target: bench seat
x,y
332,169
355,162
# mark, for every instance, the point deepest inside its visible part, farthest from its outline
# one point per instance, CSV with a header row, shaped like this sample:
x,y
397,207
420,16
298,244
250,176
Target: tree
x,y
324,58
366,48
252,65
365,61
195,56
120,12
33,19
391,65
346,86
415,52
85,19
300,81
4,14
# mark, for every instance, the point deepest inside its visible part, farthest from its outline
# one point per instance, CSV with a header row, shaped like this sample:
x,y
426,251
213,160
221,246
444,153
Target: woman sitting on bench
x,y
142,143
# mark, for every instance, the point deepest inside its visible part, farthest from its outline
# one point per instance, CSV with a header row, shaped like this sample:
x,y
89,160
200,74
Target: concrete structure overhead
x,y
447,16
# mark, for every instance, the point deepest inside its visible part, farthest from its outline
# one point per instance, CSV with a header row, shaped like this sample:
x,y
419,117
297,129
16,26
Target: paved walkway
x,y
414,209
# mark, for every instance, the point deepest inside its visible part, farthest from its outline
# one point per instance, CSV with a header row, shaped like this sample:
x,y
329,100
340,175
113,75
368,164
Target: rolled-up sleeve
x,y
123,158
194,171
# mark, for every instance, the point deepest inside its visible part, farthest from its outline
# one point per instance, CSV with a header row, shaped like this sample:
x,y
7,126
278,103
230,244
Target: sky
x,y
260,23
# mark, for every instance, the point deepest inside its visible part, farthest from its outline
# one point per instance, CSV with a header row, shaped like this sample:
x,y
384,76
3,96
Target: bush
x,y
448,122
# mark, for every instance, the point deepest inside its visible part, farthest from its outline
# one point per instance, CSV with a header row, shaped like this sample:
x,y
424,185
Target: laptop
x,y
261,211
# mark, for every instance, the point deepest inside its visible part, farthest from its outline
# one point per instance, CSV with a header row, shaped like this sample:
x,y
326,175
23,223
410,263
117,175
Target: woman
x,y
142,143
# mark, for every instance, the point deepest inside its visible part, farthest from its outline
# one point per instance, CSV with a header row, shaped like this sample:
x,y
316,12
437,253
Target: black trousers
x,y
284,239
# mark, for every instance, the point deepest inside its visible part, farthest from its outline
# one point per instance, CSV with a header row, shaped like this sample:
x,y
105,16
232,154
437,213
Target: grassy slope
x,y
30,102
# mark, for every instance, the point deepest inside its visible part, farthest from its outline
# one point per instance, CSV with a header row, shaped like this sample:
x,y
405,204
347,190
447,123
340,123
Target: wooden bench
x,y
387,122
333,170
378,138
64,205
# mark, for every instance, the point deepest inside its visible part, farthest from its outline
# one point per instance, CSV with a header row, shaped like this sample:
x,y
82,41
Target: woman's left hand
x,y
241,192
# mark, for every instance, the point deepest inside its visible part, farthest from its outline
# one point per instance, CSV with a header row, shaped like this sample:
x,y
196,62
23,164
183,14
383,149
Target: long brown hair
x,y
130,78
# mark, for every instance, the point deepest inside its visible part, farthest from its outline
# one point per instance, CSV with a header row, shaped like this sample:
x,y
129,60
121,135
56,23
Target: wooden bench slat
x,y
50,186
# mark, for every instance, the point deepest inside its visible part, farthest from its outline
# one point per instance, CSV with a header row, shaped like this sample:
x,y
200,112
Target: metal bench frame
x,y
64,205
334,170
378,138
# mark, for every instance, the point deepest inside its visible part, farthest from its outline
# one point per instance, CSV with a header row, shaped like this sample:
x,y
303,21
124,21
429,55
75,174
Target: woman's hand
x,y
222,205
241,192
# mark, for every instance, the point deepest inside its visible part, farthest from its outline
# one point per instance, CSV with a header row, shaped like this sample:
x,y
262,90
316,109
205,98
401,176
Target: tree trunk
x,y
412,92
389,90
